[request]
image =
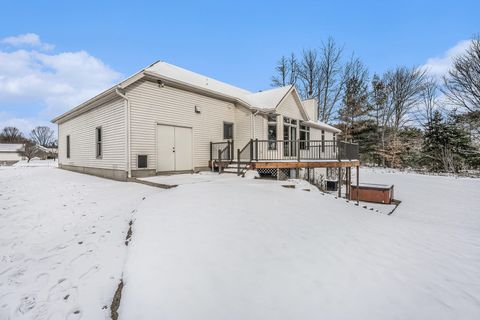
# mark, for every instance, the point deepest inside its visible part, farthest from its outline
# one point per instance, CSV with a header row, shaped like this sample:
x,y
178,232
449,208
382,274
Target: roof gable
x,y
291,106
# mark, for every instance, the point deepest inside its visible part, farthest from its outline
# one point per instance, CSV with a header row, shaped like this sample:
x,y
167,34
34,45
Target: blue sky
x,y
233,41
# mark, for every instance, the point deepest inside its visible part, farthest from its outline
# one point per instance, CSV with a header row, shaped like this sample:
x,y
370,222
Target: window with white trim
x,y
272,131
304,137
227,130
68,147
98,141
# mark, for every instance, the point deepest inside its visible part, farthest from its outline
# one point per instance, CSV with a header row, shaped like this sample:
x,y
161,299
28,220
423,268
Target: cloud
x,y
437,67
56,82
27,39
25,124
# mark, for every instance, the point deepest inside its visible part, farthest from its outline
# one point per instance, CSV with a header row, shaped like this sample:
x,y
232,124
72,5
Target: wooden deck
x,y
283,164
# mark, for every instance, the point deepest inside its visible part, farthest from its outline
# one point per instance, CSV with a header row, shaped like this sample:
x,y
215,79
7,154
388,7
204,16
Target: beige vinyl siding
x,y
242,127
289,108
82,131
151,104
260,127
316,134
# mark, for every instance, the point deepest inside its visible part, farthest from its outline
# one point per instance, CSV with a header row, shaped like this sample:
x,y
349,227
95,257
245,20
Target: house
x,y
10,153
167,119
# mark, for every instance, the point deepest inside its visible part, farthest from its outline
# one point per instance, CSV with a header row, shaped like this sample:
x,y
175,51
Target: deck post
x,y
339,182
211,152
349,182
219,161
256,149
251,150
238,162
358,181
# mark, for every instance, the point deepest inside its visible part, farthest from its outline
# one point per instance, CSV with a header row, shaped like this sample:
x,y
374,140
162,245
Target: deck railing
x,y
285,150
303,150
222,151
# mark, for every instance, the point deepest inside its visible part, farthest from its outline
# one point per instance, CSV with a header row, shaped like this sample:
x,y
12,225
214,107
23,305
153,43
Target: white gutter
x,y
127,120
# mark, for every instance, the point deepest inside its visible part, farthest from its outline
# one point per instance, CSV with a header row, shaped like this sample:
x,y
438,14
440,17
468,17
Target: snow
x,y
61,241
225,247
232,248
36,163
267,99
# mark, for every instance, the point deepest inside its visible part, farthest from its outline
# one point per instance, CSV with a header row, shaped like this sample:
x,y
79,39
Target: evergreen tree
x,y
446,146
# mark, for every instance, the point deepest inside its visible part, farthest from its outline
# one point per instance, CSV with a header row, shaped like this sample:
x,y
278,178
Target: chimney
x,y
310,107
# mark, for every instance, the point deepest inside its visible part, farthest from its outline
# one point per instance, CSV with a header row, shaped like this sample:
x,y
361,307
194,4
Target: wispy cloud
x,y
27,40
55,81
438,66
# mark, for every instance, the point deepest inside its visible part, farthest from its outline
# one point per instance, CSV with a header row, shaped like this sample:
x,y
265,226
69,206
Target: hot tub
x,y
372,192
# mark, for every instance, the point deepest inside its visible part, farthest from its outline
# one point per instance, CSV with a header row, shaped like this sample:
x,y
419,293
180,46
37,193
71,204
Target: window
x,y
289,121
142,161
68,147
272,132
323,140
227,130
98,141
304,137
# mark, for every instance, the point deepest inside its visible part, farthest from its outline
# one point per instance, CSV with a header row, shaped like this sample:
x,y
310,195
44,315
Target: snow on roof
x,y
323,126
267,99
10,147
169,70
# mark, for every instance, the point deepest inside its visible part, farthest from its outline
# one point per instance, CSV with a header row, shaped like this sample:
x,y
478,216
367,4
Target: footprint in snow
x,y
62,289
75,314
27,303
42,279
90,272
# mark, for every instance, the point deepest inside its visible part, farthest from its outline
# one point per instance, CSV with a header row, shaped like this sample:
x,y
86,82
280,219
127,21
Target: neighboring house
x,y
168,119
10,153
45,153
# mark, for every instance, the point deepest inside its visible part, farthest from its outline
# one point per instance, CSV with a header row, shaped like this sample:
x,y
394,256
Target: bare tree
x,y
405,86
429,102
11,135
355,102
29,150
462,84
330,79
286,71
381,112
43,136
308,73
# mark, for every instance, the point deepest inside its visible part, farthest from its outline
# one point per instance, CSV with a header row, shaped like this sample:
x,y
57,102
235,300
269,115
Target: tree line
x,y
401,118
39,136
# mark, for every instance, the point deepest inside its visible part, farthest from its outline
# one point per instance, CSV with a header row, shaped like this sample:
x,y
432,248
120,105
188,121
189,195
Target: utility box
x,y
332,185
371,192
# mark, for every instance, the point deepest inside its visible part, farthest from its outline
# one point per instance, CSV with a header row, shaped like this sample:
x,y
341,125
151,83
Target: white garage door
x,y
174,148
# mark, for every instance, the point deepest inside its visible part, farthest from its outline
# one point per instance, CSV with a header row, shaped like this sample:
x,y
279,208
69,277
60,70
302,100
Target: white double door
x,y
174,148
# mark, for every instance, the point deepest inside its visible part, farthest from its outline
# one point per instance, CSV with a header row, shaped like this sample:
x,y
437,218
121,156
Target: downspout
x,y
127,120
252,123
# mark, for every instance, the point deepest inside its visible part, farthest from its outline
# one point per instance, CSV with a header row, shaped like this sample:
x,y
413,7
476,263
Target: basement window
x,y
142,162
98,141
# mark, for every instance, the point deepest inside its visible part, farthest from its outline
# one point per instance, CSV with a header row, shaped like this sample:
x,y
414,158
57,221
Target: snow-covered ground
x,y
223,247
231,248
61,241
